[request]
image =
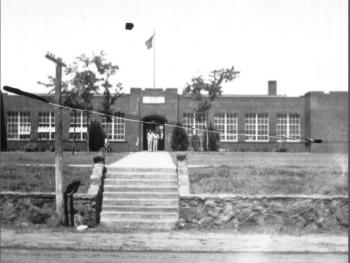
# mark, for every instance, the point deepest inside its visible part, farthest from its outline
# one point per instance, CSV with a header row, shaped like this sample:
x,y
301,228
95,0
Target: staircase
x,y
140,197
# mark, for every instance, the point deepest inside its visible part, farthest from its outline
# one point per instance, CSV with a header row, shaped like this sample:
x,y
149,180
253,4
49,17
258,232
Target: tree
x,y
85,77
179,139
204,92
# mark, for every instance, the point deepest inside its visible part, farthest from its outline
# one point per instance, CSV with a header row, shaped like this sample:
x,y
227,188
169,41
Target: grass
x,y
41,179
39,176
238,173
268,173
20,158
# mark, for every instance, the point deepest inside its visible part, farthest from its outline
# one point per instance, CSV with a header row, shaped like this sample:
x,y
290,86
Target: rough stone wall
x,y
297,214
17,208
39,208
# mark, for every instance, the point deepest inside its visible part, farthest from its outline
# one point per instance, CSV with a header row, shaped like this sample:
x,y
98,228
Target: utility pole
x,y
58,136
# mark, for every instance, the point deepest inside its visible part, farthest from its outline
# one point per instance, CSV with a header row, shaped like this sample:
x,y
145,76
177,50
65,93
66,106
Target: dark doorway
x,y
154,123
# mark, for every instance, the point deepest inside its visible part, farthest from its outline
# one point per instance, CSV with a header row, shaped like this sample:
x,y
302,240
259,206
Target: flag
x,y
149,42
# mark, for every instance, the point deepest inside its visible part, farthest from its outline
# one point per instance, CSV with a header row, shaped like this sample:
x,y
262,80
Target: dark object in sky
x,y
26,94
129,26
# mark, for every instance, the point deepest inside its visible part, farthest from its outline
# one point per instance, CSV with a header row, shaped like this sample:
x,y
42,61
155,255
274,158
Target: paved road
x,y
53,256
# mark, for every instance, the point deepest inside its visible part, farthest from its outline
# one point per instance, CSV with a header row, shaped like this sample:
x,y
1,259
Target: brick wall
x,y
322,116
327,119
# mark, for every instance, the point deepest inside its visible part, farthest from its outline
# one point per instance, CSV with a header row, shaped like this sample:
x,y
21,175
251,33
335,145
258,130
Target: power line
x,y
33,96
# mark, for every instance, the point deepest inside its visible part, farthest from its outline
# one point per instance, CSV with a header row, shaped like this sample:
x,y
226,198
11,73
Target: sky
x,y
302,44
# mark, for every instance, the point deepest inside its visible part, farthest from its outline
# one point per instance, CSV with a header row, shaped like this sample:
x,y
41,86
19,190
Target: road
x,y
66,256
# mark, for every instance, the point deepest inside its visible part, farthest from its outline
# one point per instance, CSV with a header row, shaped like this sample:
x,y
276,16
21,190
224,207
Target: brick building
x,y
246,122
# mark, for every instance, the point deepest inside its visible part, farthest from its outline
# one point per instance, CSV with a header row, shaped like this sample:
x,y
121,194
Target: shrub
x,y
196,143
96,136
214,140
31,147
179,139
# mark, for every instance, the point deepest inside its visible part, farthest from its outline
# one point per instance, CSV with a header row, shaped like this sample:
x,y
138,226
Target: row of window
x,y
19,126
256,126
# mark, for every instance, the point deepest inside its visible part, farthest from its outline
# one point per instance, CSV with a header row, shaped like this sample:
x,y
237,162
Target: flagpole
x,y
154,59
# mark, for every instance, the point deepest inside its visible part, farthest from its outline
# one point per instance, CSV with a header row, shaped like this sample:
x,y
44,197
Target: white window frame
x,y
256,124
295,137
116,124
46,127
23,127
81,126
222,119
191,127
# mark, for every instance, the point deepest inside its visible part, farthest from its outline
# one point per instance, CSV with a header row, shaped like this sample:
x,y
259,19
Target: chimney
x,y
272,87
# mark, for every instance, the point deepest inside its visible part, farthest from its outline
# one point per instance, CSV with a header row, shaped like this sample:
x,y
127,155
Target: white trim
x,y
256,124
23,129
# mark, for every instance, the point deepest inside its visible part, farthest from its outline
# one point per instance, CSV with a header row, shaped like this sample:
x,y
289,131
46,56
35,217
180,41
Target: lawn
x,y
20,158
34,171
268,173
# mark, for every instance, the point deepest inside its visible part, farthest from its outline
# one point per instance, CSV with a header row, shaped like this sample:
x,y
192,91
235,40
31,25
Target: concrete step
x,y
140,225
114,169
141,182
140,195
139,202
133,215
155,209
142,176
144,189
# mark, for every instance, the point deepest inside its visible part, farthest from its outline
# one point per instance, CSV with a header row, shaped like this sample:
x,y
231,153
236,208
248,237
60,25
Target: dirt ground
x,y
175,241
55,256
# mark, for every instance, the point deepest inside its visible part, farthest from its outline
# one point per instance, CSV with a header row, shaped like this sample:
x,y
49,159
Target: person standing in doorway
x,y
155,141
149,140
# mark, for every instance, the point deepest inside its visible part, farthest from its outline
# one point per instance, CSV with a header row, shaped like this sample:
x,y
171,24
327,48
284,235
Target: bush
x,y
196,143
31,147
96,136
214,140
179,139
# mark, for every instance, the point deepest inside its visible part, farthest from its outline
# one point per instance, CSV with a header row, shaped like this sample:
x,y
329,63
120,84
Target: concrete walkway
x,y
145,160
177,241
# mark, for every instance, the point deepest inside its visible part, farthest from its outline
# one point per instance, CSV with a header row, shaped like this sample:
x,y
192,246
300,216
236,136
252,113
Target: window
x,y
226,124
256,127
18,125
191,124
81,124
115,129
288,126
46,126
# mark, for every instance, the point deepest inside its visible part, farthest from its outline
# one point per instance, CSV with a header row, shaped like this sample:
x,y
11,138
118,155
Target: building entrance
x,y
156,124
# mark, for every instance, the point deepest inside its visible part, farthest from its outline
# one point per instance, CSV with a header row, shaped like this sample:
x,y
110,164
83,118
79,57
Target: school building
x,y
246,122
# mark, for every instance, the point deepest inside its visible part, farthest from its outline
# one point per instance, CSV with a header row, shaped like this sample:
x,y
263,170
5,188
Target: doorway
x,y
156,124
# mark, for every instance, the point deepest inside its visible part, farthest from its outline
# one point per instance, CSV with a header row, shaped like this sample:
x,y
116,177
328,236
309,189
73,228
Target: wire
x,y
33,96
166,124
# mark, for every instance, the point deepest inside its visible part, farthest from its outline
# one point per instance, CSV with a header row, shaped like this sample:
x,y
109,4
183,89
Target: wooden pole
x,y
58,143
58,137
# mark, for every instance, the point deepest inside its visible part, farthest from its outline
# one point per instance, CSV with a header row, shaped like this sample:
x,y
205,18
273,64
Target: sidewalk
x,y
145,159
176,241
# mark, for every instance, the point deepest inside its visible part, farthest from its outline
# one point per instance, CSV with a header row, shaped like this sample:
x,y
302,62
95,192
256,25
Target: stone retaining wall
x,y
298,214
284,213
22,208
35,208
